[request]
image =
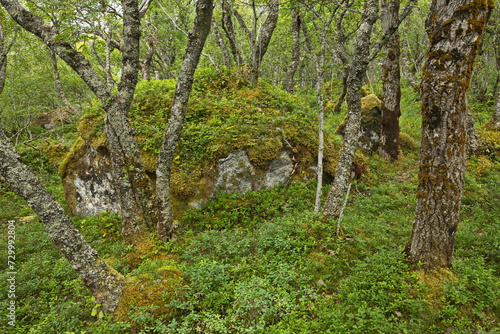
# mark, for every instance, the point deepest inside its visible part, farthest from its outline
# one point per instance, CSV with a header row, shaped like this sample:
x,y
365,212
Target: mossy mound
x,y
407,144
224,115
490,139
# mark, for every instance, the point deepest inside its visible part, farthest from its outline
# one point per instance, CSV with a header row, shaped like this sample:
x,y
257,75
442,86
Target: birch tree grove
x,y
455,29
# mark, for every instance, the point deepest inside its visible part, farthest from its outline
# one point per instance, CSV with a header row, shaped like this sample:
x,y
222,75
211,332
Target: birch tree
x,y
197,38
391,78
331,208
455,29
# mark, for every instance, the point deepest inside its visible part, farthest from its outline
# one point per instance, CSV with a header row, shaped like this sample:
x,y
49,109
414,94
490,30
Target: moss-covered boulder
x,y
371,113
235,138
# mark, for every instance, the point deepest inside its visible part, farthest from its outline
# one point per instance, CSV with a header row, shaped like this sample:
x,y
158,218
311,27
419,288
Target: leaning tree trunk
x,y
455,29
138,208
4,52
197,38
389,139
104,282
338,191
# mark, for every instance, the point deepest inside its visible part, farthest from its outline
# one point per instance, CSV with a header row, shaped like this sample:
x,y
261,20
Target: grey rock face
x,y
235,173
279,171
89,184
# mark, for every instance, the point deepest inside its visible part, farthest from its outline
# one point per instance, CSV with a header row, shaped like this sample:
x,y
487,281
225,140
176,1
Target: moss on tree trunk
x,y
455,29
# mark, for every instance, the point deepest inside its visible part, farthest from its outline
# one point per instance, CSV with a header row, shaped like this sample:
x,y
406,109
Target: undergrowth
x,y
263,262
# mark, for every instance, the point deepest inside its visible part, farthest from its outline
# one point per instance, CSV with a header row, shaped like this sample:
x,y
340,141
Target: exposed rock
x,y
88,183
89,190
235,173
252,138
279,172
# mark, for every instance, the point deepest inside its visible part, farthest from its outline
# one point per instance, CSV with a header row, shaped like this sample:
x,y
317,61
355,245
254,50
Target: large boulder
x,y
235,139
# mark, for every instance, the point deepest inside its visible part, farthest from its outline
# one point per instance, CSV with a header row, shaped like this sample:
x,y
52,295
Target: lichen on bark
x,y
104,282
455,30
331,208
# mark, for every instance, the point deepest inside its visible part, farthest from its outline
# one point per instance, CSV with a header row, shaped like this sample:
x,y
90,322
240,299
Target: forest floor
x,y
264,262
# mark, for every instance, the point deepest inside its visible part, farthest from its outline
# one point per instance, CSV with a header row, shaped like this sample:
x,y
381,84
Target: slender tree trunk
x,y
294,62
455,29
4,52
341,52
343,93
321,142
222,45
146,62
319,62
103,281
228,27
332,207
107,66
59,85
138,208
197,38
408,75
496,114
262,43
389,139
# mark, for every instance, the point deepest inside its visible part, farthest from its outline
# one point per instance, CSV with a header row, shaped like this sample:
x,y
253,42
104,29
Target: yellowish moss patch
x,y
147,293
71,156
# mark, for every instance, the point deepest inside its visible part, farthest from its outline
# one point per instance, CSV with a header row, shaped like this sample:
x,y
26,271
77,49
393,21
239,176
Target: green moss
x,y
490,139
223,116
75,150
370,110
145,295
406,143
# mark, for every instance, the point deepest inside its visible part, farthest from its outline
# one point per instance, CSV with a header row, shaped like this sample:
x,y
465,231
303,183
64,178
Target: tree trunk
x,y
389,139
331,209
103,281
259,49
197,38
138,208
59,85
496,114
455,29
146,62
222,45
294,63
4,52
228,27
319,61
